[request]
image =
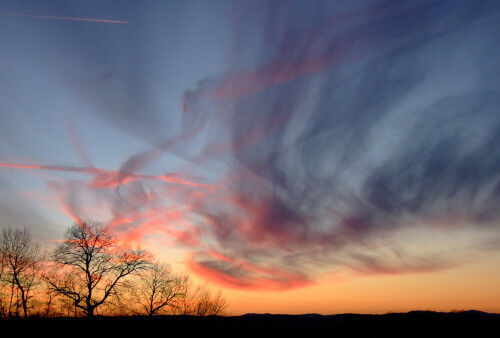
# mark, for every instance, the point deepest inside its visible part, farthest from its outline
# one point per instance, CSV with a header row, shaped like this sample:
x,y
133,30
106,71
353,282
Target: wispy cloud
x,y
343,138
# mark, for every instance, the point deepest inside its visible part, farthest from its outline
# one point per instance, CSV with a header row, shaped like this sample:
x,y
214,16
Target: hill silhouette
x,y
470,323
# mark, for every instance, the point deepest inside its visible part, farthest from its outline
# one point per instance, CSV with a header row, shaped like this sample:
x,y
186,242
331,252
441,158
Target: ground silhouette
x,y
411,324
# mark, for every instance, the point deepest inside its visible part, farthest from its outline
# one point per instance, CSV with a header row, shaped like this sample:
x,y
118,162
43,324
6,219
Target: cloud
x,y
342,137
387,120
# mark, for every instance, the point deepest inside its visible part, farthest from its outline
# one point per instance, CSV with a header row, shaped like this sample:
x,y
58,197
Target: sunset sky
x,y
303,156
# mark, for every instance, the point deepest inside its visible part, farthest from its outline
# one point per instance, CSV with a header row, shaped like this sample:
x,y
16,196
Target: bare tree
x,y
201,301
207,303
90,266
3,306
218,305
21,262
2,257
158,287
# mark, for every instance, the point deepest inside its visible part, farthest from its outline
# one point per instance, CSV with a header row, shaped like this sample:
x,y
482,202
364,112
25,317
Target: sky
x,y
303,156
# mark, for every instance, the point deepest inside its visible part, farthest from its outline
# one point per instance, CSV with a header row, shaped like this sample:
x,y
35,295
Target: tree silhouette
x,y
21,259
158,288
207,303
90,266
201,301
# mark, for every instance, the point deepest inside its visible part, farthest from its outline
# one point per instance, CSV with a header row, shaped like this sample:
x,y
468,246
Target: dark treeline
x,y
413,324
91,273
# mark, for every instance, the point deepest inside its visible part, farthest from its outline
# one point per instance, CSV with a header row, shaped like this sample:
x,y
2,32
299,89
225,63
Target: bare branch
x,y
21,258
97,264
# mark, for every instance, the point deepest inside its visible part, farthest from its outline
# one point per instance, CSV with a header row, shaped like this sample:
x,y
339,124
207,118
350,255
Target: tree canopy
x,y
90,265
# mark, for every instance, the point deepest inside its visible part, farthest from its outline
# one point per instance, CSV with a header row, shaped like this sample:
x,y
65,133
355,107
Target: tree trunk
x,y
90,308
24,302
11,298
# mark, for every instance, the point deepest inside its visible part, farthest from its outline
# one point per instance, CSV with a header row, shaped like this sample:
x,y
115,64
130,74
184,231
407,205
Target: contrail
x,y
63,18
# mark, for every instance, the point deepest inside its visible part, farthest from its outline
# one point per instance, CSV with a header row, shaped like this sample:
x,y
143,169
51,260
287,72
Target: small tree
x,y
158,287
21,259
2,257
90,266
201,301
3,306
207,303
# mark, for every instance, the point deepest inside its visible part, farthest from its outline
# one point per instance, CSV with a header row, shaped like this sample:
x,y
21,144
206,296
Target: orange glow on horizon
x,y
471,286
